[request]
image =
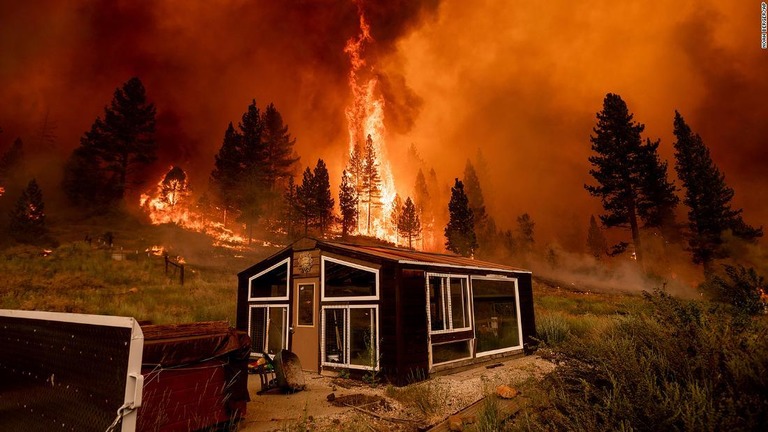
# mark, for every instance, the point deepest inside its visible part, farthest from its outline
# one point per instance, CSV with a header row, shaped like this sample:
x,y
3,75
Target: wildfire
x,y
365,118
170,201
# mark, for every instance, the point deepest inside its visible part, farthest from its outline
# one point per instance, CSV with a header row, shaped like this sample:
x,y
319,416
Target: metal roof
x,y
407,256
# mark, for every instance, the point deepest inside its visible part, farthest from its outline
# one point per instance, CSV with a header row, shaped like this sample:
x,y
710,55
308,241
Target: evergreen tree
x,y
280,158
228,170
371,181
630,179
658,201
596,242
292,215
421,193
28,217
484,227
525,226
253,186
84,182
460,231
347,204
119,145
323,200
305,199
409,225
355,171
707,196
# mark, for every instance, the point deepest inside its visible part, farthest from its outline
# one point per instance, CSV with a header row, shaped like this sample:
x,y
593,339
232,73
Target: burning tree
x,y
107,161
28,216
174,186
347,204
394,215
370,189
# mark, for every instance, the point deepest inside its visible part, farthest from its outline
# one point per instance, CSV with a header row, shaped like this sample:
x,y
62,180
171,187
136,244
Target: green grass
x,y
76,277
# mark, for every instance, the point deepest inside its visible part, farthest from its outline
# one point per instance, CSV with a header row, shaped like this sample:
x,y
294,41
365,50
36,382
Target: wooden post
x,y
181,275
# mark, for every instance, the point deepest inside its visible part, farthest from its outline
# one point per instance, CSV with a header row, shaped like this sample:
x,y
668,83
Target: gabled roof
x,y
419,259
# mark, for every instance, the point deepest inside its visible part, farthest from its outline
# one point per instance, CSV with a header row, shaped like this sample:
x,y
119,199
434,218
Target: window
x,y
268,328
448,299
347,281
306,305
270,284
349,336
497,314
451,351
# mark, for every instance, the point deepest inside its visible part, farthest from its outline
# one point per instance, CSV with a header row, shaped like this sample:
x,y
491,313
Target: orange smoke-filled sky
x,y
520,81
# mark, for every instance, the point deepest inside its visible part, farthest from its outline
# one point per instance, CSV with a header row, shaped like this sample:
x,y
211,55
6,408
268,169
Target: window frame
x,y
324,298
447,303
286,331
472,353
298,304
517,310
347,341
287,263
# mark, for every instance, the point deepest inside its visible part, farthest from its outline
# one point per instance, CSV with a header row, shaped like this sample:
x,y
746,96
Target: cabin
x,y
398,312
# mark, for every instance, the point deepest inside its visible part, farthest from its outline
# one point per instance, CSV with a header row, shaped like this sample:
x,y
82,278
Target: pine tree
x,y
323,200
630,179
460,231
228,170
658,201
371,181
421,193
485,235
253,186
305,199
409,225
708,198
596,242
355,171
119,144
347,204
525,226
28,217
280,158
292,216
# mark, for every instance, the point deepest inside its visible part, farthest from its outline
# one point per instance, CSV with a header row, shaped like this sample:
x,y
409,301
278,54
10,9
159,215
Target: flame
x,y
164,204
365,116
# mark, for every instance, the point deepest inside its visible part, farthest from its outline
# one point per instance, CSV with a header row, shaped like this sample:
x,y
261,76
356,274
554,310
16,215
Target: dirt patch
x,y
355,406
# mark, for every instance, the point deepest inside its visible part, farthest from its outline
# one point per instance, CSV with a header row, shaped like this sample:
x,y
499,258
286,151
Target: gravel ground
x,y
311,410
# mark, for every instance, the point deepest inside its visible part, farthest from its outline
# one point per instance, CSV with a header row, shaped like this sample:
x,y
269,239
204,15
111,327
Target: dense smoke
x,y
521,81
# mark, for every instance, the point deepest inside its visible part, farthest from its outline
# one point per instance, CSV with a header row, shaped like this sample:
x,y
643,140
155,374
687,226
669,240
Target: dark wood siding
x,y
528,320
387,317
413,346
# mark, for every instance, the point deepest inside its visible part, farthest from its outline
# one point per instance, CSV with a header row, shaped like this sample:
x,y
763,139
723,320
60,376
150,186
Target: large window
x,y
451,351
448,299
349,336
497,311
270,284
268,328
347,281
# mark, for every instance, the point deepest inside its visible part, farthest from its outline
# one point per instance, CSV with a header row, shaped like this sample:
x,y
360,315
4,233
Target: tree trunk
x,y
635,231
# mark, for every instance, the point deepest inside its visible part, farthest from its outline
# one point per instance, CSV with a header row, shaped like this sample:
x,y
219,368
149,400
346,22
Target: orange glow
x,y
365,116
164,205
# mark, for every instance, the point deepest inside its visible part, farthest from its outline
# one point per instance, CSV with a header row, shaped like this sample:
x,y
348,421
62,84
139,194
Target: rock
x,y
331,397
506,392
468,418
455,423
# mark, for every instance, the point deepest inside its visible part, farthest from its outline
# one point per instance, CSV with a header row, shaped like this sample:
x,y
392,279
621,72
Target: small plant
x,y
372,377
552,329
344,373
490,418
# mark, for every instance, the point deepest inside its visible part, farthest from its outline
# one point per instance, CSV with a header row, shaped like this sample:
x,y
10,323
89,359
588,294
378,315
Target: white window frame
x,y
323,297
298,305
446,294
346,364
266,330
467,341
287,263
517,308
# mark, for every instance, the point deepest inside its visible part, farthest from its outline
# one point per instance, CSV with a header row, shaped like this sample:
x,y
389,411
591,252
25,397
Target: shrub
x,y
552,329
684,366
743,289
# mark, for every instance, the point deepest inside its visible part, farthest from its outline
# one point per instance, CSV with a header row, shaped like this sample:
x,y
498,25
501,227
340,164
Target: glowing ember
x,y
365,121
170,201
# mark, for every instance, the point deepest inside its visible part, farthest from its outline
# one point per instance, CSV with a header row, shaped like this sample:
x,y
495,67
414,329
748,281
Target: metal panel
x,y
68,372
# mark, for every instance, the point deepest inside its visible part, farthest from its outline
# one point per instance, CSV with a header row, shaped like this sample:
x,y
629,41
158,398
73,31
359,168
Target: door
x,y
305,341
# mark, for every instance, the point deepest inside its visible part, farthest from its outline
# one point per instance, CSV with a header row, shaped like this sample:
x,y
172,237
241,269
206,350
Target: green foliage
x,y
742,289
460,231
707,196
681,366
